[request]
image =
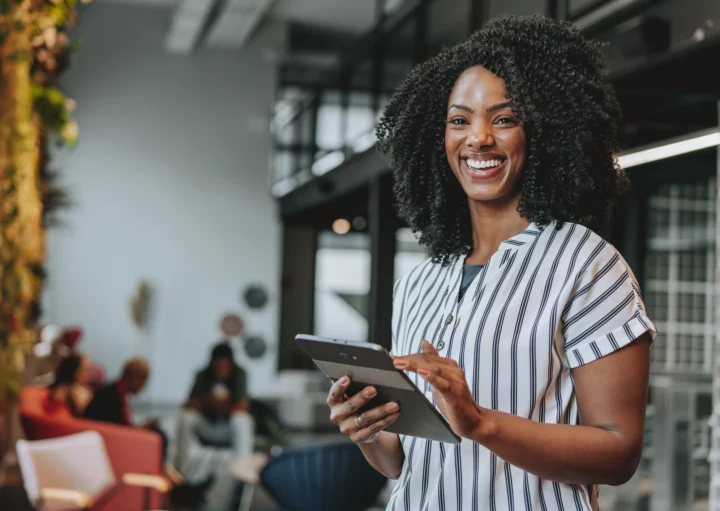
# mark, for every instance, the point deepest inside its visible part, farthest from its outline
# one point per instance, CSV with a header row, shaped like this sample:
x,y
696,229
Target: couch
x,y
130,449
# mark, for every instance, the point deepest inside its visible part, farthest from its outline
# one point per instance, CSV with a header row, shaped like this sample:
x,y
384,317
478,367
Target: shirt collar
x,y
529,235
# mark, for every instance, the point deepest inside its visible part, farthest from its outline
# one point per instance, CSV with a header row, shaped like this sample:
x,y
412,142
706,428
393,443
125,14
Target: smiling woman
x,y
484,139
527,327
543,90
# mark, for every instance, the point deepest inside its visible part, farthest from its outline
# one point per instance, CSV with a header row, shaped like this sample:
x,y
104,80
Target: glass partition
x,y
316,130
342,283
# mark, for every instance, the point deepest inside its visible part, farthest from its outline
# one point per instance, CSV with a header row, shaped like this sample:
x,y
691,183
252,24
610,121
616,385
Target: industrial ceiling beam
x,y
236,22
189,22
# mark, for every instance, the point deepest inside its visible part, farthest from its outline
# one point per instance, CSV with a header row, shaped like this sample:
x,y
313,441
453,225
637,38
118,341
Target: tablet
x,y
370,364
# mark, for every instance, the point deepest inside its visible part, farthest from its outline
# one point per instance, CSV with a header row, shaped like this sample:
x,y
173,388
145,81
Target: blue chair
x,y
325,477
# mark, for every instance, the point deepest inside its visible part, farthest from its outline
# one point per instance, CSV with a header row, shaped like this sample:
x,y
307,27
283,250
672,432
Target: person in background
x,y
111,404
217,409
69,389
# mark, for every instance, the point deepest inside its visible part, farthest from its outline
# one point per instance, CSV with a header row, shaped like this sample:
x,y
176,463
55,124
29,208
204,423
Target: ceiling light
x,y
694,142
341,226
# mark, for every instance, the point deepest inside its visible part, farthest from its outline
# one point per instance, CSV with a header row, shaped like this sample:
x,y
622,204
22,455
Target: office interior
x,y
226,177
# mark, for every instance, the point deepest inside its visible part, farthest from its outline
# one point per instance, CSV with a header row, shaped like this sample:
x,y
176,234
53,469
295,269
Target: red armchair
x,y
130,450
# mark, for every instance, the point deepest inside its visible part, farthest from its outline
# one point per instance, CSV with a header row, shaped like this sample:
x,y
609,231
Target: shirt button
x,y
449,319
441,345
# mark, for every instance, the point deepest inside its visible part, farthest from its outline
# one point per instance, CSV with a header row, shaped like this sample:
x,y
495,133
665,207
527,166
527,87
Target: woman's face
x,y
221,368
484,140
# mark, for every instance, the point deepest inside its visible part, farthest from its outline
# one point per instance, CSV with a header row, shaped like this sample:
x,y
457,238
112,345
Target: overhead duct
x,y
188,25
236,22
606,13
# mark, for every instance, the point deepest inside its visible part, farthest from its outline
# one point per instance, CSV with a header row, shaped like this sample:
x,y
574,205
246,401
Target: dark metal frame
x,y
370,46
369,172
596,4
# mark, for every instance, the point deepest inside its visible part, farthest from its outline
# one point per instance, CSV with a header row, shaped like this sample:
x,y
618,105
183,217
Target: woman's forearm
x,y
385,454
558,452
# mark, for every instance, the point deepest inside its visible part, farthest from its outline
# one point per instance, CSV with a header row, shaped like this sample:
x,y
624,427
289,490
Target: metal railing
x,y
318,126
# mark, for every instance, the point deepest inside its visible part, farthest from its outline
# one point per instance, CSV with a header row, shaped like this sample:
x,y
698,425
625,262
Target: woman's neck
x,y
493,223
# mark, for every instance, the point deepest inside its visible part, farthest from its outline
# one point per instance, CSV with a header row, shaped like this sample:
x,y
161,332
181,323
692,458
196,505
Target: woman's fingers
x,y
376,414
351,425
370,433
427,348
417,360
363,427
354,403
340,411
337,391
434,379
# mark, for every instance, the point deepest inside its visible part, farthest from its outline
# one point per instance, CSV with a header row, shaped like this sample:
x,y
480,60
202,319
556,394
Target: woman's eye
x,y
457,121
506,121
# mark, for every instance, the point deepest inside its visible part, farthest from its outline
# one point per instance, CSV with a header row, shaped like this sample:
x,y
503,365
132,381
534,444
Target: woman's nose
x,y
480,137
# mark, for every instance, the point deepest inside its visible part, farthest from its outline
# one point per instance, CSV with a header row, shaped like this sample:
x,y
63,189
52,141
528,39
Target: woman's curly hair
x,y
554,76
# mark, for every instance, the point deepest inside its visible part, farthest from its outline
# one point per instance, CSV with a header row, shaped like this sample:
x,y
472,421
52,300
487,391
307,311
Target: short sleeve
x,y
604,311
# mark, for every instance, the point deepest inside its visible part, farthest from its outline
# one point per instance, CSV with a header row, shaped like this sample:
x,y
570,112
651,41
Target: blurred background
x,y
225,183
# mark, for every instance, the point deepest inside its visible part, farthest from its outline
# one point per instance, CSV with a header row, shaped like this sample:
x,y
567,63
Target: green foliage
x,y
13,386
76,44
50,104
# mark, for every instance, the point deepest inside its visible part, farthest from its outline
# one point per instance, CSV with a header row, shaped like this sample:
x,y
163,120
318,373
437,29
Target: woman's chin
x,y
492,197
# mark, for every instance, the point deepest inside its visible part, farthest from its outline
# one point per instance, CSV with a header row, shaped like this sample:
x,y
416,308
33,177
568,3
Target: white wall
x,y
171,184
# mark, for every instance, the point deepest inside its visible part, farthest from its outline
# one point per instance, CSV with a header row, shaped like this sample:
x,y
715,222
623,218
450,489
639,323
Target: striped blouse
x,y
547,301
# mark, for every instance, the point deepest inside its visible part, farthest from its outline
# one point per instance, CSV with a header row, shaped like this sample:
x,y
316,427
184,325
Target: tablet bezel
x,y
368,356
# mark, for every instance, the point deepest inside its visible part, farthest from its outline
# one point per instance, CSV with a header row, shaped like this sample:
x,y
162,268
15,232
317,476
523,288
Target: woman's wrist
x,y
486,427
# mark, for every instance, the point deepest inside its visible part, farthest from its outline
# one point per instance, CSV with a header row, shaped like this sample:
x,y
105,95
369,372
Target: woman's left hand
x,y
449,387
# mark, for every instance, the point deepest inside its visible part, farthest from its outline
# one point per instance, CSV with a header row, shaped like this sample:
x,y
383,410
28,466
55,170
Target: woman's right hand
x,y
361,428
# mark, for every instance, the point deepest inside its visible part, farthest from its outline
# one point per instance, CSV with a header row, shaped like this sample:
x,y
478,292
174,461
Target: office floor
x,y
220,498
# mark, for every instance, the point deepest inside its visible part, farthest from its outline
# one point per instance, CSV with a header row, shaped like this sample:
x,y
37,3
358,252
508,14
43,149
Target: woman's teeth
x,y
485,164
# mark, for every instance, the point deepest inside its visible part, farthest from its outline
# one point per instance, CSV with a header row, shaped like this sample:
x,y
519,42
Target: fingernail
x,y
392,407
370,392
400,363
423,372
344,380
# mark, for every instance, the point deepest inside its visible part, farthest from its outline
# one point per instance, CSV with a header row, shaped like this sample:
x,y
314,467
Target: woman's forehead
x,y
478,85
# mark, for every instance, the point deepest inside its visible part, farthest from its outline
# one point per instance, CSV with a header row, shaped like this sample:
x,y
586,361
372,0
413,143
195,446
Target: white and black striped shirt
x,y
547,301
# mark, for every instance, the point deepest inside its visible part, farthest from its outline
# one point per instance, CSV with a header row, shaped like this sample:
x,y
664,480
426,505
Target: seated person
x,y
69,389
110,403
217,410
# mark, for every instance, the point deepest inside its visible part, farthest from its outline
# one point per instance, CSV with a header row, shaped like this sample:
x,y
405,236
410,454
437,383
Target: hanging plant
x,y
34,50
